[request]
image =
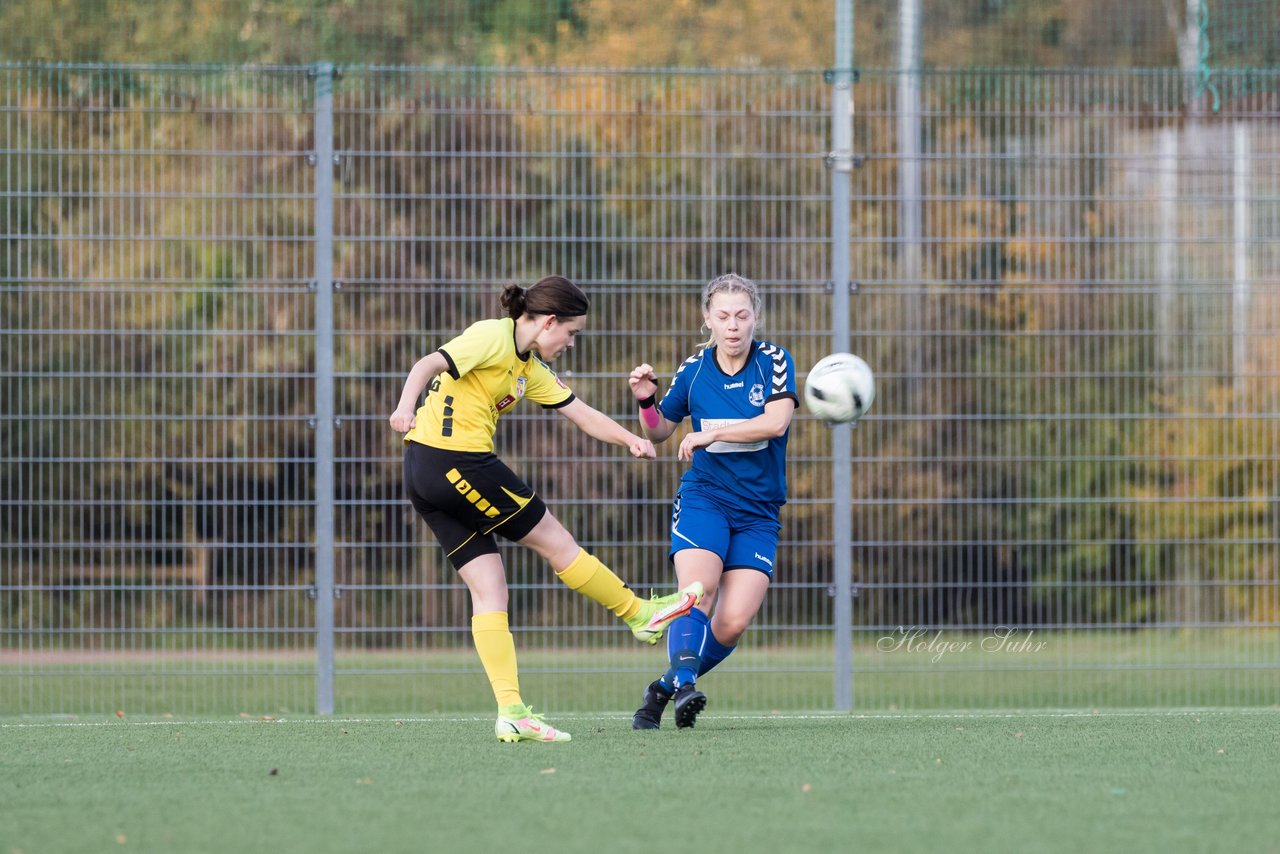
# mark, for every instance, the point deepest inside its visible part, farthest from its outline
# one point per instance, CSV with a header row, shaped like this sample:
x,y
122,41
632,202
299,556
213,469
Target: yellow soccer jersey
x,y
486,377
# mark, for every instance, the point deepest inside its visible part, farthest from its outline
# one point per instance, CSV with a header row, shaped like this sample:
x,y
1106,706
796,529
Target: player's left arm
x,y
597,425
770,424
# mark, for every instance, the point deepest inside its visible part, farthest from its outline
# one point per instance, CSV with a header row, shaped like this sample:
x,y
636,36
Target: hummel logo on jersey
x,y
763,558
728,386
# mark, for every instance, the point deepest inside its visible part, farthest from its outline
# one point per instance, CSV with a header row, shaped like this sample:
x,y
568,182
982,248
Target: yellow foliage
x,y
744,33
612,33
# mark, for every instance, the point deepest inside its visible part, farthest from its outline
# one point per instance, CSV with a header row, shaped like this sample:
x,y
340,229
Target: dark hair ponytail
x,y
554,295
513,301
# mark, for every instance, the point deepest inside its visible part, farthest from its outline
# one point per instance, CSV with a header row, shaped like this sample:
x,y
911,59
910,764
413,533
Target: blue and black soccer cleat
x,y
649,716
689,701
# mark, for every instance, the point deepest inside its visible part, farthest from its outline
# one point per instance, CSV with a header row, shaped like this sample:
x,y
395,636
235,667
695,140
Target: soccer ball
x,y
839,388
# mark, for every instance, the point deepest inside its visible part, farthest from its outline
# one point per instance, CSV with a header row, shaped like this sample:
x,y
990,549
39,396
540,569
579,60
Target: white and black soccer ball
x,y
840,388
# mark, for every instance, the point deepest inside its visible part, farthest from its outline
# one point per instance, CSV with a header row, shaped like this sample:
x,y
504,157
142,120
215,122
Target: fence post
x,y
324,588
910,197
1242,169
842,476
1167,250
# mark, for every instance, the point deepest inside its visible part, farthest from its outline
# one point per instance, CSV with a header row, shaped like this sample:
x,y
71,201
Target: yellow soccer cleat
x,y
519,723
656,614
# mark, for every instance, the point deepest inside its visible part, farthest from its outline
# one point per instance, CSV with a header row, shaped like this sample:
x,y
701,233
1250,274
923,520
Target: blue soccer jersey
x,y
748,474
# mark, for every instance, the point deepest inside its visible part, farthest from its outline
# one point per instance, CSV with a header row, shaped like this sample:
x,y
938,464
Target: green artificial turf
x,y
982,782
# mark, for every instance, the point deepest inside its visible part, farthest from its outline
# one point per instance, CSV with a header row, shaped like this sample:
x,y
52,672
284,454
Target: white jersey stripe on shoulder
x,y
687,362
779,358
696,357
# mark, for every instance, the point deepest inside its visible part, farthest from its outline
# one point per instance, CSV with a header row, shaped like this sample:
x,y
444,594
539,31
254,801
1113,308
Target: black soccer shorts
x,y
466,497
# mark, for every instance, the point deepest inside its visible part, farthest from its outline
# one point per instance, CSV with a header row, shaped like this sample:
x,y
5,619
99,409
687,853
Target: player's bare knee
x,y
728,628
488,600
552,541
710,591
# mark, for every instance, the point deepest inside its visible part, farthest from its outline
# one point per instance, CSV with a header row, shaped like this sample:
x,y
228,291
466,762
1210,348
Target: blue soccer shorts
x,y
742,539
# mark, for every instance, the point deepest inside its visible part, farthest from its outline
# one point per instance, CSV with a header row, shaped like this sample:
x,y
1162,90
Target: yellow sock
x,y
497,651
588,576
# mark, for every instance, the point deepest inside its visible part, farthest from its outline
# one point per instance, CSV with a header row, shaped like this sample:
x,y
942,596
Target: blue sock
x,y
686,638
714,653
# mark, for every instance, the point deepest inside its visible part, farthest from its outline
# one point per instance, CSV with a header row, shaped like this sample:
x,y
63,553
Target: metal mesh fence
x,y
1066,284
158,375
1241,33
639,187
1071,298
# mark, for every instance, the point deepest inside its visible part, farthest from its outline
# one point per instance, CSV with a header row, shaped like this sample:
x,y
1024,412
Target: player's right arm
x,y
644,386
420,375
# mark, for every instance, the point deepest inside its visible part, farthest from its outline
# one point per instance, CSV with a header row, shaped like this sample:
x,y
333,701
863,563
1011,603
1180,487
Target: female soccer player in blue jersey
x,y
466,494
740,394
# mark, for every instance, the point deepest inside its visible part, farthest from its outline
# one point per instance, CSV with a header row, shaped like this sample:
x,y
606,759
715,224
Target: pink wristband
x,y
649,411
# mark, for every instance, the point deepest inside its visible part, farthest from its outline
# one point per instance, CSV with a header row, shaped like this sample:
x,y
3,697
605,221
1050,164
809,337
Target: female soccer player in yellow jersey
x,y
466,494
